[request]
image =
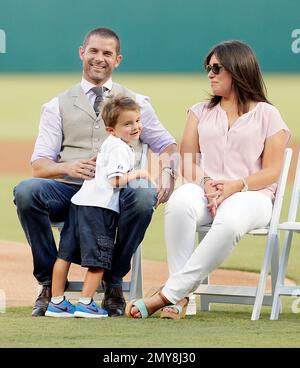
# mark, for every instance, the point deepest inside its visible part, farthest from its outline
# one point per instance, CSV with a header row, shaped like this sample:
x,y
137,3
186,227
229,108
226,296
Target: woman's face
x,y
221,83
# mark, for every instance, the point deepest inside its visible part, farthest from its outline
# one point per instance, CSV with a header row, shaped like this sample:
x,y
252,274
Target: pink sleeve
x,y
276,123
198,108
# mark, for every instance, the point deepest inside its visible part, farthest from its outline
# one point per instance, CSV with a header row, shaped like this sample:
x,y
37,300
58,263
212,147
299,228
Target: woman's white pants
x,y
185,212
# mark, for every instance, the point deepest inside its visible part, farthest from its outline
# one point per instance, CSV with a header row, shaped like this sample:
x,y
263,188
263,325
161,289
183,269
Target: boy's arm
x,y
119,181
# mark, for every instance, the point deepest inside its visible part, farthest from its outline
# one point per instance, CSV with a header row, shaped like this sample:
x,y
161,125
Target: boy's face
x,y
128,126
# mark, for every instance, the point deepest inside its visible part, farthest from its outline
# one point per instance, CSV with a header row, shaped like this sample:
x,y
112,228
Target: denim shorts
x,y
88,236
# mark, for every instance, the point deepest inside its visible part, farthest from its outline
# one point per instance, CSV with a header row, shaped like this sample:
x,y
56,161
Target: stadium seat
x,y
134,287
255,296
290,227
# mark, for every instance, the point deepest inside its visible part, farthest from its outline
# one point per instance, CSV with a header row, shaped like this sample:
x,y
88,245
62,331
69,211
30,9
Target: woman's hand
x,y
212,193
224,189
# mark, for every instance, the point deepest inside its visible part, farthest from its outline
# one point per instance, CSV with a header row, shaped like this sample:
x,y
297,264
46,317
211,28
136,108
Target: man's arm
x,y
83,169
48,146
160,141
169,159
153,133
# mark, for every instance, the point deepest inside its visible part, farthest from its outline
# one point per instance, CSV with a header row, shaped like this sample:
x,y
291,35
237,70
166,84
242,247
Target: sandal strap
x,y
174,306
141,306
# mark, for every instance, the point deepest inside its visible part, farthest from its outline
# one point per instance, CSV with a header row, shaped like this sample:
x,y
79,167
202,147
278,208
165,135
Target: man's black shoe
x,y
113,302
41,304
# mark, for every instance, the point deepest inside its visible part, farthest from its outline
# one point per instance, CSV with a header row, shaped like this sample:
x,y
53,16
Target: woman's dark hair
x,y
239,60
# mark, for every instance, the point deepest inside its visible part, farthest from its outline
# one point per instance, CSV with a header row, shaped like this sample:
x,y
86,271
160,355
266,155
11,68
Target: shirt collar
x,y
86,85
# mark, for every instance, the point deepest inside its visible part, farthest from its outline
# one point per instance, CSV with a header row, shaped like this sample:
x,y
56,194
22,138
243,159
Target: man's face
x,y
99,59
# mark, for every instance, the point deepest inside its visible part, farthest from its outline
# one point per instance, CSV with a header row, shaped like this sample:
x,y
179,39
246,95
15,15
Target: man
x,y
71,132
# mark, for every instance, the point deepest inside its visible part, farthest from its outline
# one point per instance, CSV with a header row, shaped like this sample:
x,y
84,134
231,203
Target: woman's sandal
x,y
180,308
144,310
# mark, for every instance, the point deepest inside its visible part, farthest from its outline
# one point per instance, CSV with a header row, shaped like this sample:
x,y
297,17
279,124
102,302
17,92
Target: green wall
x,y
156,35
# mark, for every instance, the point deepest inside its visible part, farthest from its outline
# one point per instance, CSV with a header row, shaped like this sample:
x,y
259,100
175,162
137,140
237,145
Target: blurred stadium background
x,y
163,45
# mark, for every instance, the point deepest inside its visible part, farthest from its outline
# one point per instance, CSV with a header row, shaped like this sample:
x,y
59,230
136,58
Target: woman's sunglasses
x,y
215,68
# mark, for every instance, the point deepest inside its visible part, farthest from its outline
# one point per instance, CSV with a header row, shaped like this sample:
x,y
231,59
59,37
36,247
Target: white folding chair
x,y
134,287
245,294
290,227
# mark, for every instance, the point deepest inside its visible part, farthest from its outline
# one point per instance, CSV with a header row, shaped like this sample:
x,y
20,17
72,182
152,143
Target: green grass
x,y
171,95
225,326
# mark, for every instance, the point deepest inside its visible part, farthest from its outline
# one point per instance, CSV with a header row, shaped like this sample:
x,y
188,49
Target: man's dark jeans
x,y
40,201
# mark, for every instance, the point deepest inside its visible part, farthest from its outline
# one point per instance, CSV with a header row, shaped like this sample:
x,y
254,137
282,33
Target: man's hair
x,y
114,106
105,33
240,61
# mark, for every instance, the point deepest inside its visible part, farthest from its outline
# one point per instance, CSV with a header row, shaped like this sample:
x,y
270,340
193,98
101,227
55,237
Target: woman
x,y
240,139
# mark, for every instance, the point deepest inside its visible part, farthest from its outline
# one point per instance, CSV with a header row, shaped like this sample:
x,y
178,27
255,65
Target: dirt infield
x,y
17,156
20,287
16,277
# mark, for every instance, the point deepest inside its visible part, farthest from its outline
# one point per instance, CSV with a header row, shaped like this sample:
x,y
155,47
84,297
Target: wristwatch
x,y
170,171
245,188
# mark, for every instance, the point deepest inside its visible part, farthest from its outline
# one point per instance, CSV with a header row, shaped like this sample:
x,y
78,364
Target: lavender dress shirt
x,y
49,140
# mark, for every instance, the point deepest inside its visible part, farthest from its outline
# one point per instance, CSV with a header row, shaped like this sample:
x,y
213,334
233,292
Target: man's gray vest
x,y
83,131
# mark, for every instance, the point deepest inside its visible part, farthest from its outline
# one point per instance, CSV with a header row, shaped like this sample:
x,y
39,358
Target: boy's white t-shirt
x,y
114,159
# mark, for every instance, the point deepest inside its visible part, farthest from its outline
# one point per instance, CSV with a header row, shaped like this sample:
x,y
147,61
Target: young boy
x,y
89,233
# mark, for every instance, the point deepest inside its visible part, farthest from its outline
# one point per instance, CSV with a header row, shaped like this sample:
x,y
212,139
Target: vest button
x,y
97,126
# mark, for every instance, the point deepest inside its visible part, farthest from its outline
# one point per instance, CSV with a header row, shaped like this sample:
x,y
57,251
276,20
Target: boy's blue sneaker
x,y
91,310
63,309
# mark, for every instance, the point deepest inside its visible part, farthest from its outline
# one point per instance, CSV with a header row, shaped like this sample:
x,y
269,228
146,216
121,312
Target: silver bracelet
x,y
172,172
204,180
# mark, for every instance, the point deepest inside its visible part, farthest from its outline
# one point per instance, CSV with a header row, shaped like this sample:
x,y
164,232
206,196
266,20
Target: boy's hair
x,y
114,106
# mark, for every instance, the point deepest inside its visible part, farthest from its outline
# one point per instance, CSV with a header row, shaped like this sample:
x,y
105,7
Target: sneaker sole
x,y
89,315
59,315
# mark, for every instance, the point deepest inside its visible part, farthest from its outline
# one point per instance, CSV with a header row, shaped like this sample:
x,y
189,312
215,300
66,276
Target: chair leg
x,y
275,264
276,307
204,303
272,241
136,283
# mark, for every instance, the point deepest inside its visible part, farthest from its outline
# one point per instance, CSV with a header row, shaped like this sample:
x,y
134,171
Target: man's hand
x,y
83,169
165,188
